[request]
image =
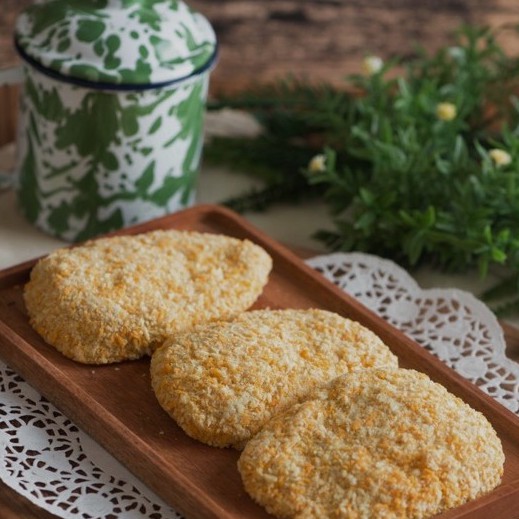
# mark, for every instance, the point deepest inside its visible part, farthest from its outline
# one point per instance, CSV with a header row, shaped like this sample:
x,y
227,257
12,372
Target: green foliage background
x,y
399,180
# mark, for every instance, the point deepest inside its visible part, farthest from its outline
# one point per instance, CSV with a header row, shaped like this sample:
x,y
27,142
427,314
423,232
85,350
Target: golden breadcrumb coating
x,y
373,444
223,381
117,298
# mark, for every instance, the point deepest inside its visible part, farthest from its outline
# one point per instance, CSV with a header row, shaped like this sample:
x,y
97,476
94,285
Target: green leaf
x,y
498,255
366,196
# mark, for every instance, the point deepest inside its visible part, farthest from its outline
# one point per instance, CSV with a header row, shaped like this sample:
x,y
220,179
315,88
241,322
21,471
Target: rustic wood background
x,y
322,40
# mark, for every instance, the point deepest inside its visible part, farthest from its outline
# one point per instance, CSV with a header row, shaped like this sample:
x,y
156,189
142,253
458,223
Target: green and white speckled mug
x,y
112,107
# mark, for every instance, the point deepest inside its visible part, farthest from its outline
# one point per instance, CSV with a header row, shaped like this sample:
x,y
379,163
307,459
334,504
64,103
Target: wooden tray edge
x,y
504,417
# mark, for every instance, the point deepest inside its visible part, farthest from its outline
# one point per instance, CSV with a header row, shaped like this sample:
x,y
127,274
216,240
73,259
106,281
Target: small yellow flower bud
x,y
372,65
446,111
500,157
317,164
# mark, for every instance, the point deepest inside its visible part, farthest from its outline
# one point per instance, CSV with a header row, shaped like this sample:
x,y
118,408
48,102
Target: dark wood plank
x,y
322,39
15,506
8,12
325,40
8,113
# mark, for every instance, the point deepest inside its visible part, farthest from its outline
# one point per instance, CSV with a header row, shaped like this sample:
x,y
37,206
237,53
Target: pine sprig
x,y
264,158
419,164
291,191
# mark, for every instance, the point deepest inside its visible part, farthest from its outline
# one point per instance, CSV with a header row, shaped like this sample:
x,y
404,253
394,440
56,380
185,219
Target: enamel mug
x,y
112,105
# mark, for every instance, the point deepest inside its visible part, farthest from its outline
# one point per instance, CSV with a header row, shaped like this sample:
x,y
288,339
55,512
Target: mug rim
x,y
115,87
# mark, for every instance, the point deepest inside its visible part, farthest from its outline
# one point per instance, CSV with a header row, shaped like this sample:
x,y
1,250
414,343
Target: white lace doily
x,y
57,466
452,324
46,458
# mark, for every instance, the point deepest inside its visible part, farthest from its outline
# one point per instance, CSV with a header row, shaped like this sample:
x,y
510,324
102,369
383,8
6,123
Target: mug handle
x,y
9,76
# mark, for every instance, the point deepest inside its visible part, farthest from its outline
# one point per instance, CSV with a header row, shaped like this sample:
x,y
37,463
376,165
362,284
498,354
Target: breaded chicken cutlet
x,y
223,381
373,444
118,298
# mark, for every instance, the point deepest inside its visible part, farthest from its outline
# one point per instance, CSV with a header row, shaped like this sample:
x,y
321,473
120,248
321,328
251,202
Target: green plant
x,y
418,161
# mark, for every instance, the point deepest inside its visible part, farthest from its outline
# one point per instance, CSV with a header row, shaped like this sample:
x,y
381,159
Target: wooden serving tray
x,y
116,406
